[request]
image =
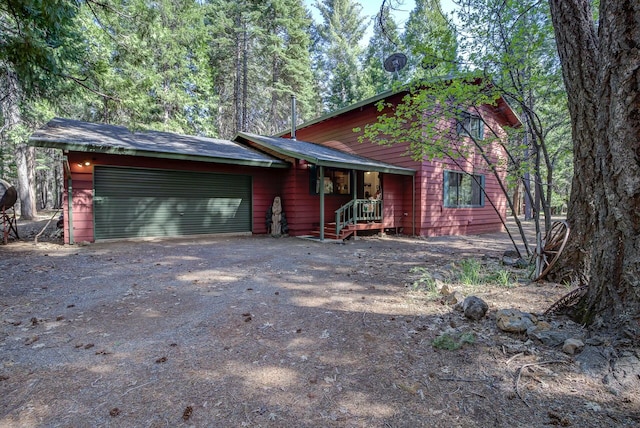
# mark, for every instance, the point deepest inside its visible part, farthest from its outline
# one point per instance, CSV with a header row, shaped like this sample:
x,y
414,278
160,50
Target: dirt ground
x,y
266,332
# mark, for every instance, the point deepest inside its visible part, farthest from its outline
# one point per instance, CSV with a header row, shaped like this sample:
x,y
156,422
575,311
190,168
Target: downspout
x,y
321,203
67,170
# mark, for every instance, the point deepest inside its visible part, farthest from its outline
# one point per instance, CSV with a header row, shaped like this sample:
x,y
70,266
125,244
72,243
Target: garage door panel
x,y
145,203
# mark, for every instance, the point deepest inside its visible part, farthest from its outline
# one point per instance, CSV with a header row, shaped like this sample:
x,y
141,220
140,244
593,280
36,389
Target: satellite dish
x,y
395,62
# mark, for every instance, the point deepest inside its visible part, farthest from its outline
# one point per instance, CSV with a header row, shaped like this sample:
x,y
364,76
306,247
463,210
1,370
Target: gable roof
x,y
75,135
318,154
502,107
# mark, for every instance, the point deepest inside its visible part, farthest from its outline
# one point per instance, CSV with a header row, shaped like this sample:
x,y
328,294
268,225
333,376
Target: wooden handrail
x,y
358,210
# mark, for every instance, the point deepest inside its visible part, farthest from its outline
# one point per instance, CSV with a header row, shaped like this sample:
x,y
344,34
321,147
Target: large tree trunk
x,y
25,161
10,98
602,75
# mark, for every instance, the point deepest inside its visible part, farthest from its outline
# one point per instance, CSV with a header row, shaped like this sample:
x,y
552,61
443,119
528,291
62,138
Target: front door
x,y
371,185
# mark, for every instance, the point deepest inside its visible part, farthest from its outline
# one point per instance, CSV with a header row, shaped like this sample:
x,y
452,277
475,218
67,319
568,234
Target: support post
x,y
321,203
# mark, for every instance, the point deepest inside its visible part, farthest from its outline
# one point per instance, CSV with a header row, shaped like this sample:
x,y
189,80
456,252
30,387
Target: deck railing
x,y
358,210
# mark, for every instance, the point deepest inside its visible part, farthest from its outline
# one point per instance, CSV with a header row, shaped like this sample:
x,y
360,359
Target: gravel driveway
x,y
256,331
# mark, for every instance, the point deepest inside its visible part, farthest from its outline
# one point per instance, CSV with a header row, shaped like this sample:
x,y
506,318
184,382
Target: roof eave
x,y
363,167
328,163
90,148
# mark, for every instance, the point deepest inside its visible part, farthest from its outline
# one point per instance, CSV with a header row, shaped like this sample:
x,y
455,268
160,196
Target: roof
x,y
74,135
501,107
319,155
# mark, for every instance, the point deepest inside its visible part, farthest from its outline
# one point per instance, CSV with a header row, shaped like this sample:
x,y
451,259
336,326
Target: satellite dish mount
x,y
395,62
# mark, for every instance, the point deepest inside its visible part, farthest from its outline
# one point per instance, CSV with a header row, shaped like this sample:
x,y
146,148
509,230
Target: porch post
x,y
355,195
69,218
413,203
321,203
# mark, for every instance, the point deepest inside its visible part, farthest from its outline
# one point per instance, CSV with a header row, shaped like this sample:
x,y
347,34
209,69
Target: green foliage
x,y
384,42
41,43
337,52
431,39
470,272
502,278
453,341
425,282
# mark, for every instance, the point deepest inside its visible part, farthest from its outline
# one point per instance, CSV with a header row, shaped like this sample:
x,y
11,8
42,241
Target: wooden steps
x,y
351,229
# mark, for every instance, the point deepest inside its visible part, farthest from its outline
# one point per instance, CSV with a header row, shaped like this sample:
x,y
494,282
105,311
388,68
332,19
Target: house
x,y
446,196
121,184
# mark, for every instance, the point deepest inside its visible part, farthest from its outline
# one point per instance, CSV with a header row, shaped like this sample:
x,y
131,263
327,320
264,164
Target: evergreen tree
x,y
384,42
338,52
285,63
431,40
40,46
155,58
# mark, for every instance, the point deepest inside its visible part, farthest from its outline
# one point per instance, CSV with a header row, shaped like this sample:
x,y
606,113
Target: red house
x,y
120,184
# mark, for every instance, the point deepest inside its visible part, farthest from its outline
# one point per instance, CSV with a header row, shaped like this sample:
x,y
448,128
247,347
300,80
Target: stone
x,y
547,336
571,346
444,288
474,308
452,298
514,321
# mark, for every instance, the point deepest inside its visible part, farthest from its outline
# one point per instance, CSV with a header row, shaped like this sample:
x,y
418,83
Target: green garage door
x,y
136,202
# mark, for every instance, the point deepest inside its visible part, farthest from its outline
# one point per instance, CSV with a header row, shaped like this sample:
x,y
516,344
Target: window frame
x,y
447,188
470,125
330,176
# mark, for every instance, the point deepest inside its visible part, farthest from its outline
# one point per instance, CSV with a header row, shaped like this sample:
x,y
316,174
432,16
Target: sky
x,y
371,7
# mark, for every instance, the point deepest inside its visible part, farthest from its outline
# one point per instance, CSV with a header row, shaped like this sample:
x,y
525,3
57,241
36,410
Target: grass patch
x,y
453,341
470,272
502,278
425,281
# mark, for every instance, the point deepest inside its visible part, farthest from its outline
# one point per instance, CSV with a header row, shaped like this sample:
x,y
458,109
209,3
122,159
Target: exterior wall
x,y
431,217
267,184
301,207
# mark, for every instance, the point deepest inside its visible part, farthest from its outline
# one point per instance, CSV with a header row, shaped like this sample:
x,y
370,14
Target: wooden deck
x,y
348,230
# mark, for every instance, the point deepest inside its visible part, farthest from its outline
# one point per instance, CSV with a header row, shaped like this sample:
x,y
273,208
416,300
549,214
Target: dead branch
x,y
531,365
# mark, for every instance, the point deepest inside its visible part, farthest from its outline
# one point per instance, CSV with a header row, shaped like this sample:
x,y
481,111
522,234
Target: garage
x,y
140,202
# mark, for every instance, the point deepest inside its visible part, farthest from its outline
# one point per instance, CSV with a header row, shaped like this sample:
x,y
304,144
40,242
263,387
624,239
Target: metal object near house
x,y
9,195
395,62
548,253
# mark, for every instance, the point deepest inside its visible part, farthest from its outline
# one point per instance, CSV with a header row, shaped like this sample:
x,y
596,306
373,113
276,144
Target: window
x,y
471,125
336,181
463,190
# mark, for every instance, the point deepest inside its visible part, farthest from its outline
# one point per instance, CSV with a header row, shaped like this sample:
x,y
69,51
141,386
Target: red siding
x,y
267,184
431,217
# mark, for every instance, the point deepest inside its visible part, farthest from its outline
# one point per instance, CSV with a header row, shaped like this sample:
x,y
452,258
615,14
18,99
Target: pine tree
x,y
338,52
155,59
431,40
284,43
384,42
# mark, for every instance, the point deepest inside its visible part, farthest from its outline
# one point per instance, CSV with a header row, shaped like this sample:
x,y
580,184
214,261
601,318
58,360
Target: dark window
x,y
471,125
463,190
336,181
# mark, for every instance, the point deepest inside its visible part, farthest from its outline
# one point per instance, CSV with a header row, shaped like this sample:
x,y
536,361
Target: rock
x,y
626,370
547,336
444,289
514,321
572,345
594,360
452,298
474,308
511,258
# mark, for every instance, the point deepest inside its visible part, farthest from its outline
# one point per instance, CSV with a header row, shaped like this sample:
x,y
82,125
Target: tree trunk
x,y
577,45
25,162
602,75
